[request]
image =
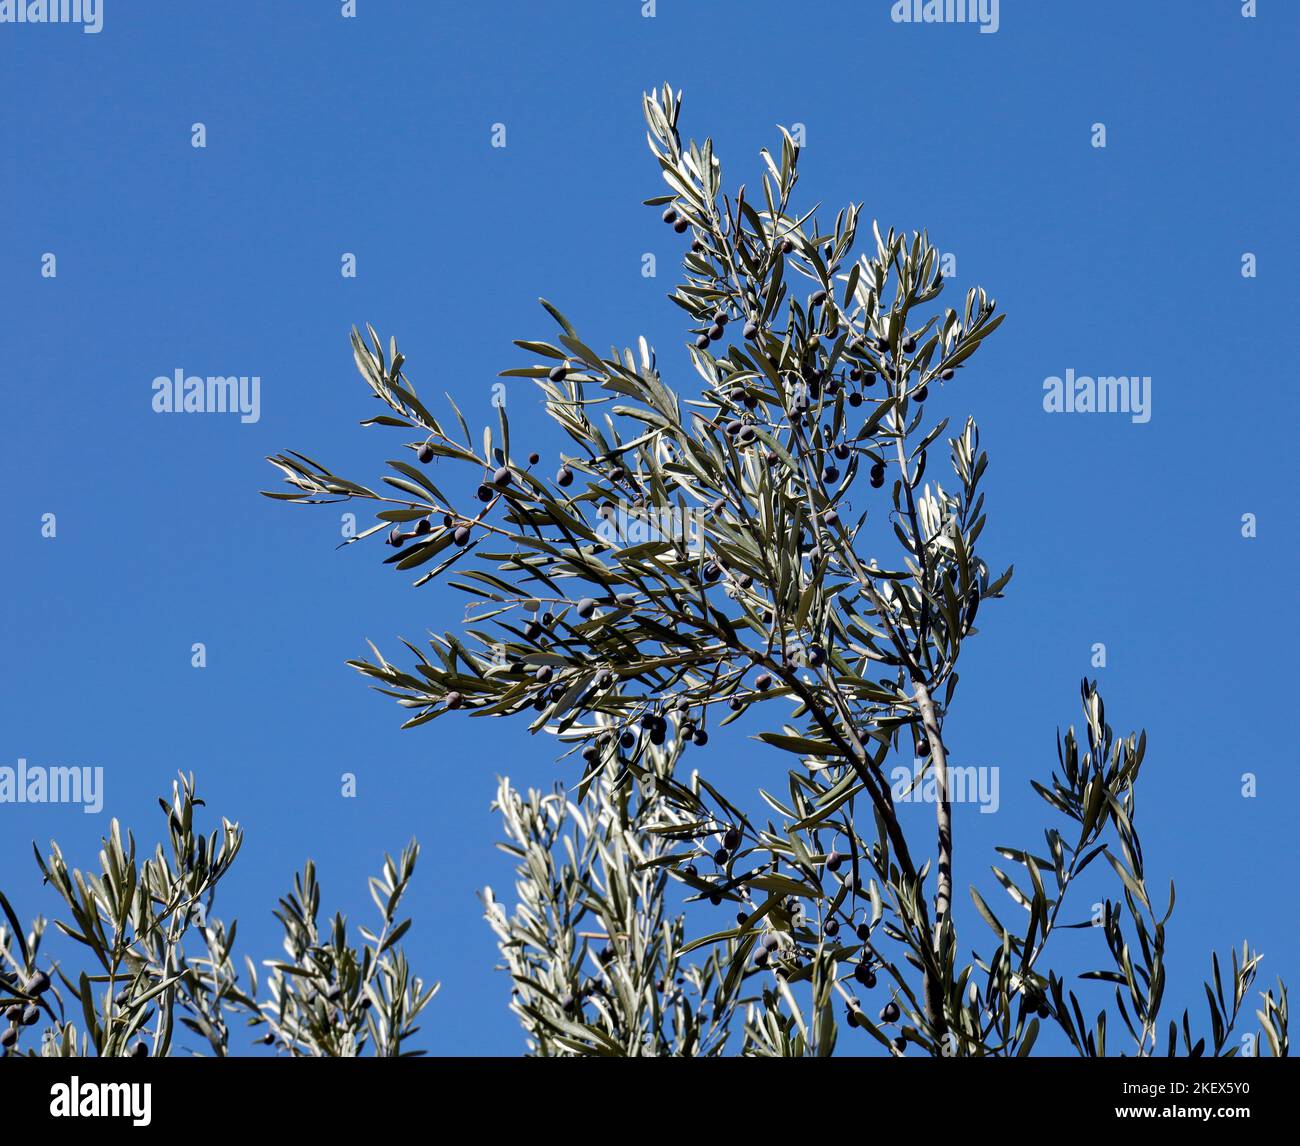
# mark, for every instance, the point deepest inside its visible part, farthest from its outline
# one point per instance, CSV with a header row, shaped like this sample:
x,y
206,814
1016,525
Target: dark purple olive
x,y
715,332
558,373
31,1015
731,839
454,700
586,607
816,655
721,856
425,453
702,342
751,329
763,681
787,245
485,492
669,216
832,927
534,458
834,860
948,375
8,1037
681,225
461,536
889,1012
564,476
869,378
921,393
909,346
423,526
701,738
818,297
36,984
855,399
830,474
396,537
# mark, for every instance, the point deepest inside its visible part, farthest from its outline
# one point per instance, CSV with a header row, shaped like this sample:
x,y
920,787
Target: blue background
x,y
372,135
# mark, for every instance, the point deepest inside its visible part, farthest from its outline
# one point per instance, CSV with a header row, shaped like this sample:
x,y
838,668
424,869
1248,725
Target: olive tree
x,y
775,546
159,957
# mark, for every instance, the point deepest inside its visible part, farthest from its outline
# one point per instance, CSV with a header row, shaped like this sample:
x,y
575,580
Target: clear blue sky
x,y
372,136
